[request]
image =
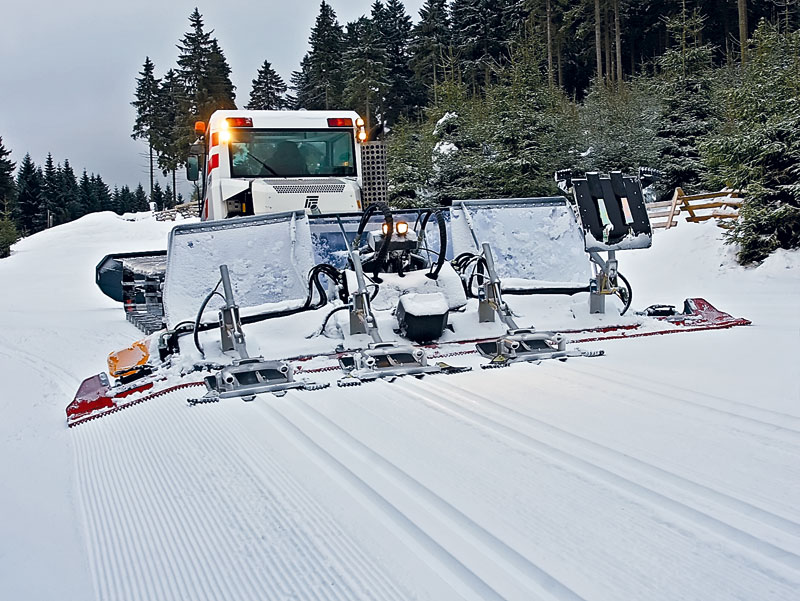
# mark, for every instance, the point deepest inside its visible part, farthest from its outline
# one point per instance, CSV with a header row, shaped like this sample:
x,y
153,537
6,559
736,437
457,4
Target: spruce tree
x,y
30,211
430,39
325,77
8,236
101,193
169,197
365,65
88,193
69,193
217,89
401,95
194,51
300,83
139,202
687,111
172,131
757,149
157,197
116,201
127,201
205,77
146,105
6,181
269,89
53,205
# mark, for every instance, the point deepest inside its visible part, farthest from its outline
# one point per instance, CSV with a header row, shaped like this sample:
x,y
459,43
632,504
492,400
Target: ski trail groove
x,y
716,404
341,545
461,577
176,508
439,513
749,542
768,517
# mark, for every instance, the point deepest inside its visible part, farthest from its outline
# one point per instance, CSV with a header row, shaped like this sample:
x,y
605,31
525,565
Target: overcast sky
x,y
68,69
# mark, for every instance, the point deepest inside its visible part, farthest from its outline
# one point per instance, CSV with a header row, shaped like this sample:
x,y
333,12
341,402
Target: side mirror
x,y
193,168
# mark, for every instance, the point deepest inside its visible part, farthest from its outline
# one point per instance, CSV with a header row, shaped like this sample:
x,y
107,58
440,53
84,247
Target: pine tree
x,y
687,111
30,211
619,127
8,236
6,181
365,65
139,203
127,201
169,197
172,128
269,89
325,77
116,201
430,39
146,105
300,83
194,50
758,147
401,95
217,89
157,197
101,193
481,37
88,193
53,204
205,77
69,193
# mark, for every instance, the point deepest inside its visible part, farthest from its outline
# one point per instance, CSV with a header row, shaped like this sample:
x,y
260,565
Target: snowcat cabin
x,y
262,162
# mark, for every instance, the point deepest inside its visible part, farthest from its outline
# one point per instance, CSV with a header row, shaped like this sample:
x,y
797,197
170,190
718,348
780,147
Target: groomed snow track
x,y
443,489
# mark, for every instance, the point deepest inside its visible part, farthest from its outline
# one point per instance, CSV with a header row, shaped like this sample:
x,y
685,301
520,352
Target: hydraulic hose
x,y
434,272
629,294
384,249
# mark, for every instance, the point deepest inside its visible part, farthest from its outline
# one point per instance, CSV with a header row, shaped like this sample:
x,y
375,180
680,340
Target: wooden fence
x,y
720,205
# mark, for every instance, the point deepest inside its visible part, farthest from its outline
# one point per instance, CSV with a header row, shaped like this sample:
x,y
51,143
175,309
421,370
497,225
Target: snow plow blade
x,y
95,397
269,257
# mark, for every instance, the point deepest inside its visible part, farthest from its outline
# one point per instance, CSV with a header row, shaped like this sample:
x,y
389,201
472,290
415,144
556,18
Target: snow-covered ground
x,y
667,469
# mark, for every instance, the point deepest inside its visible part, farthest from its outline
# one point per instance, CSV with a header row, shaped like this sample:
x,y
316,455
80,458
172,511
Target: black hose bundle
x,y
462,264
384,249
434,271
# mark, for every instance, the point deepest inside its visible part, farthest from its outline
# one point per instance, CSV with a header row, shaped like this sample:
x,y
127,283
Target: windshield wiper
x,y
262,163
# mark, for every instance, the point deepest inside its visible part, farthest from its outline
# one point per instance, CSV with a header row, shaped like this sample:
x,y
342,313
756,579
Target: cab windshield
x,y
292,153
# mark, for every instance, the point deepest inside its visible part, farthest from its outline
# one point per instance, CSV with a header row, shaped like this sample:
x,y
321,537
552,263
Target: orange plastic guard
x,y
130,360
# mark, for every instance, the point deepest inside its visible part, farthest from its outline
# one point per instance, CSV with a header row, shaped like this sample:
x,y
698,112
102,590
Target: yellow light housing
x,y
362,135
359,122
225,136
401,228
385,228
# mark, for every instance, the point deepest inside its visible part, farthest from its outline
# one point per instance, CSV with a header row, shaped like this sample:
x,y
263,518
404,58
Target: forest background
x,y
488,98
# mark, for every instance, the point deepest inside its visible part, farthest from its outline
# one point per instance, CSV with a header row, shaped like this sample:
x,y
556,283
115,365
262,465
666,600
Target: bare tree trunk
x,y
435,95
743,28
174,190
598,39
150,144
609,58
560,65
618,41
549,46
